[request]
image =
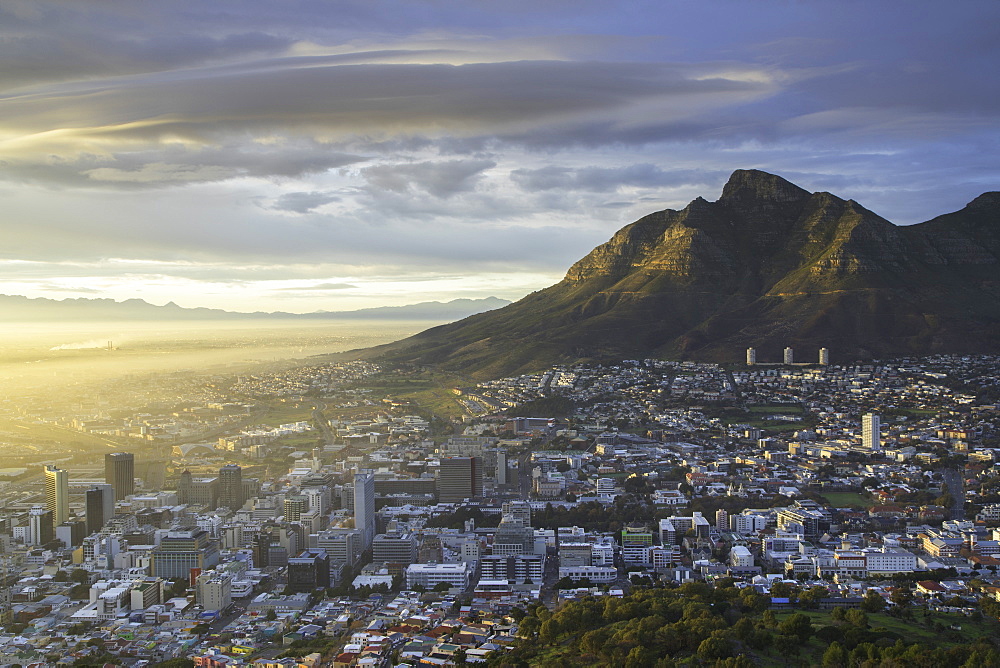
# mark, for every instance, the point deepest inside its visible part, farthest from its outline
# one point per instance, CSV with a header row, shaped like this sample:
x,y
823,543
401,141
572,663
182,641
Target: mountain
x,y
767,265
15,308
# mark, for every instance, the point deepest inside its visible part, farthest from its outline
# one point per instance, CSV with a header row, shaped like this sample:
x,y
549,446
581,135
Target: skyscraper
x,y
231,487
364,506
57,494
824,356
751,356
871,436
460,478
119,472
184,486
788,356
100,501
40,528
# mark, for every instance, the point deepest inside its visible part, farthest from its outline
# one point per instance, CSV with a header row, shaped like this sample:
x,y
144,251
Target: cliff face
x,y
767,265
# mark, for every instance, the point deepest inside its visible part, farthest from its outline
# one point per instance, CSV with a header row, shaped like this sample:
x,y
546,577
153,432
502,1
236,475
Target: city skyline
x,y
299,158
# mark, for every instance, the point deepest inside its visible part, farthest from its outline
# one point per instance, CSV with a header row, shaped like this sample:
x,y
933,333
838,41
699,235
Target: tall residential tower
x,y
871,437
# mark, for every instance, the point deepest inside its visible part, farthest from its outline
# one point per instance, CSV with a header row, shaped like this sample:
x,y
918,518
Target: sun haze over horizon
x,y
305,155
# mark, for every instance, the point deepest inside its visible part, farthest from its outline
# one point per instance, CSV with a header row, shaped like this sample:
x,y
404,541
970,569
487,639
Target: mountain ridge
x,y
768,264
17,308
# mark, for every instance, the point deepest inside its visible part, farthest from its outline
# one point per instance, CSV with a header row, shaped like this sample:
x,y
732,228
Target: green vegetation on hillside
x,y
698,625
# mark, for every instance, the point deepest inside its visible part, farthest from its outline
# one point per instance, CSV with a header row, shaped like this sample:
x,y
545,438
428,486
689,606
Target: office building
x,y
871,428
501,469
40,528
576,554
824,356
519,569
751,356
429,576
214,590
364,506
100,504
395,548
180,551
231,487
513,538
460,478
119,472
788,356
295,506
71,533
57,494
184,487
517,510
308,571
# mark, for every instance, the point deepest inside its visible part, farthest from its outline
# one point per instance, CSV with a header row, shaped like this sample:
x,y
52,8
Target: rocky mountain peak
x,y
753,185
985,202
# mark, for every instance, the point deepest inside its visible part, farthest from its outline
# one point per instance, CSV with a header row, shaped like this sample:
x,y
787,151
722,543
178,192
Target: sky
x,y
304,155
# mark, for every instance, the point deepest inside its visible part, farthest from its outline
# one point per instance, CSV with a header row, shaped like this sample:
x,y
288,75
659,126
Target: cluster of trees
x,y
721,626
595,516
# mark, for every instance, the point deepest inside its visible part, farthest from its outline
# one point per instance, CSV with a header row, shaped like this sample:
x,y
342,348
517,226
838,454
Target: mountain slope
x,y
768,265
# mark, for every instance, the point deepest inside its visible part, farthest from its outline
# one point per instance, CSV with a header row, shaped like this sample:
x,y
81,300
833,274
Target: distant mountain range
x,y
768,265
24,309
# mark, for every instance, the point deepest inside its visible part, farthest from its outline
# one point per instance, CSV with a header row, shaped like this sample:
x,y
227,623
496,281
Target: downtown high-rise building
x,y
364,506
57,494
751,356
41,530
100,506
871,432
231,487
460,478
119,472
788,356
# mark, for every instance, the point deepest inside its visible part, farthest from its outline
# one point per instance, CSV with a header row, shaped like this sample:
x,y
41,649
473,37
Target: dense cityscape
x,y
371,532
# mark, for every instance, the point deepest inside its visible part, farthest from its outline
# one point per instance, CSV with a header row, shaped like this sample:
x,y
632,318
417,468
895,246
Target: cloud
x,y
603,179
322,287
180,126
302,202
440,179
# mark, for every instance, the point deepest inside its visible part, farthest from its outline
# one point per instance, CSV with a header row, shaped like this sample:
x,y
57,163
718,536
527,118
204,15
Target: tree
x,y
787,645
797,625
271,615
714,648
872,602
529,627
79,575
856,618
60,576
811,597
782,590
835,656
